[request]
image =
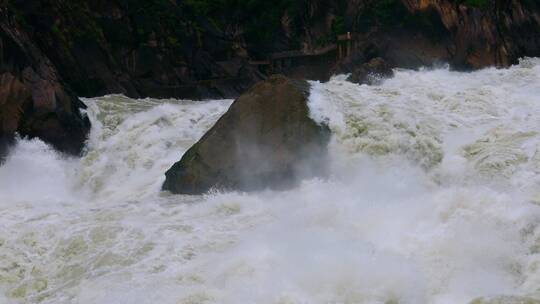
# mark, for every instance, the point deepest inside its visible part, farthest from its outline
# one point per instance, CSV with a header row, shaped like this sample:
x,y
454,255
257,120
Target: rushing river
x,y
434,197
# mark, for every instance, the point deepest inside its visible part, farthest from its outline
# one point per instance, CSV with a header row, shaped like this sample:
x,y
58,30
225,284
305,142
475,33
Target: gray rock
x,y
265,140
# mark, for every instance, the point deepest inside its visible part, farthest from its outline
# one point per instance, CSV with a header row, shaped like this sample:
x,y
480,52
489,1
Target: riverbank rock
x,y
34,102
371,72
487,33
265,140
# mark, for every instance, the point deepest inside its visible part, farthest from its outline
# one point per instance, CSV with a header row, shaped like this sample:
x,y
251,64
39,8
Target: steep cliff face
x,y
210,49
33,99
54,50
265,140
488,32
161,48
134,47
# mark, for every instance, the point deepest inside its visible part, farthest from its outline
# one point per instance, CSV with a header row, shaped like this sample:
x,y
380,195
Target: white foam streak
x,y
128,157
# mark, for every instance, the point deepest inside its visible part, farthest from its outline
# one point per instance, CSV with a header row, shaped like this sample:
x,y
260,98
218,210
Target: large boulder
x,y
265,140
34,101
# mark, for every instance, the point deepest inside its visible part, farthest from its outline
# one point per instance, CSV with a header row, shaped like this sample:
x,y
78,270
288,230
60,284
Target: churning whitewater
x,y
434,197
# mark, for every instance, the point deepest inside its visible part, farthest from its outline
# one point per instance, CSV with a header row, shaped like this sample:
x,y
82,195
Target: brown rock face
x,y
265,140
139,48
372,72
33,100
491,33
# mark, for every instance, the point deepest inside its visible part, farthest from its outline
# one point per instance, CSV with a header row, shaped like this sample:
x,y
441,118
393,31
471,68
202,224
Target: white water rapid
x,y
434,197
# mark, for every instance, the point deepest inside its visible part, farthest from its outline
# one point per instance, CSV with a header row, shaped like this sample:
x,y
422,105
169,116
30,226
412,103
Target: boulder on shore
x,y
265,140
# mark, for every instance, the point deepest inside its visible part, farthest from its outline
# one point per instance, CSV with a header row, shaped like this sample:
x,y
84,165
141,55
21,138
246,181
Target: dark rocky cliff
x,y
193,49
218,48
487,32
34,101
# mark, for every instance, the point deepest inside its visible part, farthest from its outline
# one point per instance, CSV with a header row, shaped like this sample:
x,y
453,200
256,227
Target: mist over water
x,y
434,197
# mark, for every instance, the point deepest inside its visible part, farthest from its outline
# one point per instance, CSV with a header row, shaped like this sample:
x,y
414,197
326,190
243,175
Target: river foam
x,y
434,197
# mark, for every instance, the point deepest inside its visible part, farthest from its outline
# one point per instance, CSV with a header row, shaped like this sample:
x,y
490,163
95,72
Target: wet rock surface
x,y
34,101
208,49
487,33
265,140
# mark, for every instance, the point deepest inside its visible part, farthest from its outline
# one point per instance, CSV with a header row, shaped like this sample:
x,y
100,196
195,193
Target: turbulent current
x,y
434,197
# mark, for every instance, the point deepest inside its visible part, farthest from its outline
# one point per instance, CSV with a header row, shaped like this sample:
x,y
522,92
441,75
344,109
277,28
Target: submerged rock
x,y
265,140
371,72
34,101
